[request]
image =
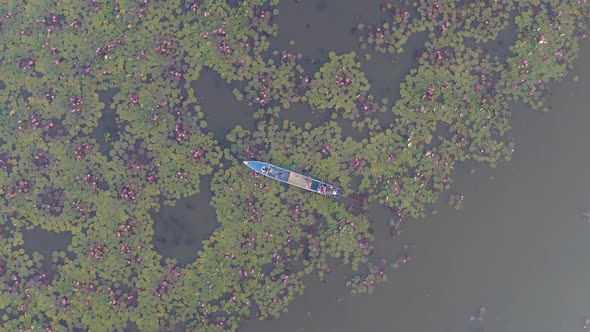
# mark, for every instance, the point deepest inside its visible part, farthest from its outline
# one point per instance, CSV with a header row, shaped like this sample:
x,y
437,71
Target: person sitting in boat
x,y
264,169
323,189
334,192
279,175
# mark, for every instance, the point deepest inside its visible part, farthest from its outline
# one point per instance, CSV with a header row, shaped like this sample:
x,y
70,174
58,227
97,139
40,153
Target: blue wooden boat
x,y
294,179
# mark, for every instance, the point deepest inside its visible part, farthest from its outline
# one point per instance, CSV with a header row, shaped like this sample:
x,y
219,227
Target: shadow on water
x,y
180,230
221,108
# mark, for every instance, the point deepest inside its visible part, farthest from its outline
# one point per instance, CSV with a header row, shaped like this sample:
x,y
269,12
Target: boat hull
x,y
294,179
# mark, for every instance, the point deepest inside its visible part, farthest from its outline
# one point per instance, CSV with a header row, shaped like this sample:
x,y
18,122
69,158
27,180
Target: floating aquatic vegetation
x,y
390,37
182,167
449,24
278,82
60,59
454,23
231,39
338,85
249,207
321,151
391,176
456,201
366,283
447,114
542,53
481,22
403,258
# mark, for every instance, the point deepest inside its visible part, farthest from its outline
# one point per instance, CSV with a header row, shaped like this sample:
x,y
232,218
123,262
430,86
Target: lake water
x,y
520,246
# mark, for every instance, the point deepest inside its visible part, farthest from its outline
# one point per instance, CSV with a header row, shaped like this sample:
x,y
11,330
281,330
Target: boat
x,y
294,179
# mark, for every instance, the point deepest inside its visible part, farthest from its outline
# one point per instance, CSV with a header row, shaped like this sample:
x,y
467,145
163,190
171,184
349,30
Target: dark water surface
x,y
181,229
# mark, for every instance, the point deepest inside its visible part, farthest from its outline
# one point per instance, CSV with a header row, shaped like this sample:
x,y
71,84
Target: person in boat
x,y
323,189
334,192
264,169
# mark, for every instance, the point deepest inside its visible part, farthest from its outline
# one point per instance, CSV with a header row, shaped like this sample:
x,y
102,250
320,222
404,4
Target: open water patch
x,y
179,230
45,243
321,26
106,131
386,72
499,47
301,113
219,104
